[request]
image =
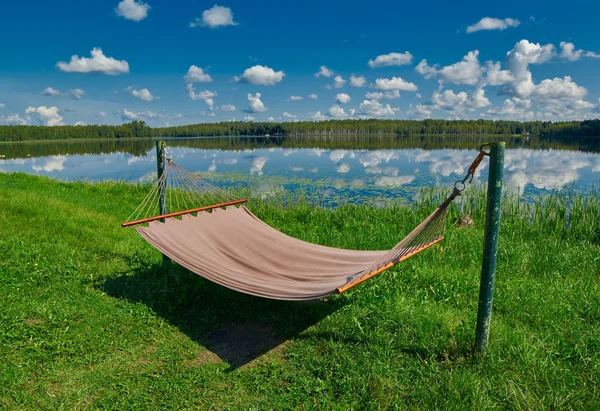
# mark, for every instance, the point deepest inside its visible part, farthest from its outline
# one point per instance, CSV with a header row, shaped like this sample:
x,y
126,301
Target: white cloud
x,y
77,93
466,71
81,123
256,105
143,94
375,108
227,107
49,91
261,75
459,103
490,23
295,98
343,168
197,75
558,88
392,59
420,111
54,163
248,118
271,118
98,63
217,16
343,98
358,81
395,83
495,76
46,115
2,105
392,181
337,112
518,60
127,115
318,116
514,108
14,119
102,114
378,95
132,10
325,72
289,115
206,95
593,55
338,82
313,96
568,51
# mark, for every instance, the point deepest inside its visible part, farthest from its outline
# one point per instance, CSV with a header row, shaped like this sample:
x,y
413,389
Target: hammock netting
x,y
210,232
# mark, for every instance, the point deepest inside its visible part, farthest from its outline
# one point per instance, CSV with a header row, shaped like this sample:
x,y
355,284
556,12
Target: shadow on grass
x,y
238,328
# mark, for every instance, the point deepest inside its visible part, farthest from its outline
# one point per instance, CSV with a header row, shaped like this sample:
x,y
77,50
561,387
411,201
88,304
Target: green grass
x,y
89,319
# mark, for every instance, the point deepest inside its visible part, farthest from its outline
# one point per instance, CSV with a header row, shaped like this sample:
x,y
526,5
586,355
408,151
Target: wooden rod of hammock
x,y
372,274
178,213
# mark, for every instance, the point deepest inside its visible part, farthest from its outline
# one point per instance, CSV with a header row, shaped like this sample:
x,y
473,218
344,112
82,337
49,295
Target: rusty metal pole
x,y
490,246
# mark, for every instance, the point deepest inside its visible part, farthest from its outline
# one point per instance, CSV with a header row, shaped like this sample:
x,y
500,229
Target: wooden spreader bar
x,y
372,274
175,214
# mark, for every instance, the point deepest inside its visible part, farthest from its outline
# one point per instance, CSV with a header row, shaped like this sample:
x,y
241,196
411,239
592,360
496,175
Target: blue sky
x,y
525,60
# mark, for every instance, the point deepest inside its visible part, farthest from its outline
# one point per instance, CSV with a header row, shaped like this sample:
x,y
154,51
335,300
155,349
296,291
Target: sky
x,y
183,62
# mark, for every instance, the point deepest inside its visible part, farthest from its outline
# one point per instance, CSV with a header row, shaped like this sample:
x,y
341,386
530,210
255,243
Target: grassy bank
x,y
90,319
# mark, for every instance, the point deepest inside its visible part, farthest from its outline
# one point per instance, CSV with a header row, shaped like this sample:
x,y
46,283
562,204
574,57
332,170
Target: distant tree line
x,y
308,128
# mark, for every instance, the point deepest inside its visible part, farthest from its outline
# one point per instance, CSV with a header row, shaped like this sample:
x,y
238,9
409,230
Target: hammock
x,y
227,244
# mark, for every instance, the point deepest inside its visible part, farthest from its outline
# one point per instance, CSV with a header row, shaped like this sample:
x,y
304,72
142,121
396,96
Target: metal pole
x,y
490,246
162,195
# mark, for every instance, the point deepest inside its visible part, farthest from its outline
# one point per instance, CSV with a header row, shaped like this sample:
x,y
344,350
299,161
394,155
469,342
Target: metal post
x,y
162,195
490,246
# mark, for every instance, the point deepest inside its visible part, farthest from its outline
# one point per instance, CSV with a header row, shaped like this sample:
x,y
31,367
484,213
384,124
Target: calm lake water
x,y
356,168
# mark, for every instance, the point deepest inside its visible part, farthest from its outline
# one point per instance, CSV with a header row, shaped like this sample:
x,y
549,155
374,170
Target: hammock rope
x,y
235,249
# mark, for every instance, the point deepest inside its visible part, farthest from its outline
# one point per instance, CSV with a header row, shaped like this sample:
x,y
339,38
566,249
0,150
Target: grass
x,y
90,319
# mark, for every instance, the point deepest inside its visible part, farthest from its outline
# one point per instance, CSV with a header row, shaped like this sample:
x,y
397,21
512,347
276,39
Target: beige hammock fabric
x,y
234,248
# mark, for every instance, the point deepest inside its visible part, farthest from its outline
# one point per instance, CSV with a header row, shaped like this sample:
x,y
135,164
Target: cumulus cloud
x,y
392,59
466,71
568,51
343,98
49,91
128,115
313,96
378,95
217,16
395,83
98,63
325,72
206,95
337,112
289,115
338,82
227,107
197,75
490,23
132,10
143,94
14,119
358,81
317,116
248,118
518,60
495,76
295,98
77,93
261,75
48,116
514,108
256,105
420,111
375,109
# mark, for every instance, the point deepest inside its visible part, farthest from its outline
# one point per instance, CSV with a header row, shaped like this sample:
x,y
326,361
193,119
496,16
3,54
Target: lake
x,y
331,168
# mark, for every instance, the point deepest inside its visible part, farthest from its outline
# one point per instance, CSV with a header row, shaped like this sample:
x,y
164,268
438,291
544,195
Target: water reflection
x,y
381,171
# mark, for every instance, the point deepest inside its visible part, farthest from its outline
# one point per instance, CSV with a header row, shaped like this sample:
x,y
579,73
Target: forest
x,y
139,129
